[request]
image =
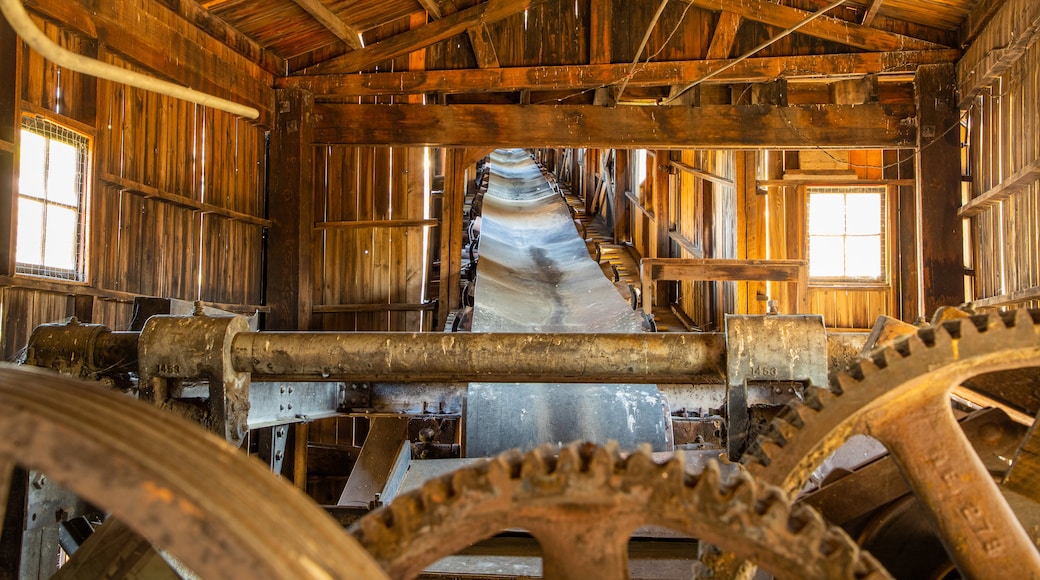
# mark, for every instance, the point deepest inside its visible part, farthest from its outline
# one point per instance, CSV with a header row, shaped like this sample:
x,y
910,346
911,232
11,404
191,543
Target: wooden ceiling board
x,y
281,26
368,14
942,14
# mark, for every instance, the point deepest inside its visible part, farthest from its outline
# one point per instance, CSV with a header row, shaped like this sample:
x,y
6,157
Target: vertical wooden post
x,y
777,225
290,208
451,234
662,241
600,20
301,436
900,165
938,188
621,186
10,95
750,229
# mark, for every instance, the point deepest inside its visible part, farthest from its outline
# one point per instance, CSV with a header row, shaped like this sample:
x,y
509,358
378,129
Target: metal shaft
x,y
486,357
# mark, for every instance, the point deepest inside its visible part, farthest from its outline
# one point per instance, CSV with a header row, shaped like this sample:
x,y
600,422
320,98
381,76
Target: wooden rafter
x,y
868,16
432,8
723,127
334,23
826,27
224,32
724,36
600,22
483,46
424,36
590,76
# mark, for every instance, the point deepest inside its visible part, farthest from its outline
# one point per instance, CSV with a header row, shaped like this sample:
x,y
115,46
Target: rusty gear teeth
x,y
912,370
755,520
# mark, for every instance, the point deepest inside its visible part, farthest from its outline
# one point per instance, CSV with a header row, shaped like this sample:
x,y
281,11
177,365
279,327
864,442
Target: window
x,y
847,234
52,186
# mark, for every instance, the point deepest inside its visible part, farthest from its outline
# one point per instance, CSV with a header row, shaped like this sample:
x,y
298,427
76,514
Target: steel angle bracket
x,y
769,349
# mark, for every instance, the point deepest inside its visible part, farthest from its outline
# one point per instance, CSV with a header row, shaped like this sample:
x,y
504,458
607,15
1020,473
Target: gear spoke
x,y
900,394
979,530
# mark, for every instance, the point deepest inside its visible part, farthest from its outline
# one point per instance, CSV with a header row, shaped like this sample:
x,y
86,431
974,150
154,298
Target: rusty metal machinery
x,y
219,373
582,502
210,506
900,395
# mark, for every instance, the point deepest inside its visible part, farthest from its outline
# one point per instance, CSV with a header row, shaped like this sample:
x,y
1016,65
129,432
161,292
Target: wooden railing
x,y
653,270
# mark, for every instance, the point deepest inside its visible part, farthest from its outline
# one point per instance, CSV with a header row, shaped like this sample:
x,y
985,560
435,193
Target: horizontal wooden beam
x,y
722,270
150,192
701,173
825,27
424,36
345,308
67,289
652,270
809,179
751,70
1016,297
356,224
1003,190
867,126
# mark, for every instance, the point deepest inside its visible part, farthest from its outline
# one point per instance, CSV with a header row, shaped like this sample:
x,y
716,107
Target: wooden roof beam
x,y
567,77
872,10
725,35
827,28
334,23
424,36
432,8
483,46
710,127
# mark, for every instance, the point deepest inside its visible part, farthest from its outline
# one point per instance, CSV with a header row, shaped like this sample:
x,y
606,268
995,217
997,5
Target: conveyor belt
x,y
535,275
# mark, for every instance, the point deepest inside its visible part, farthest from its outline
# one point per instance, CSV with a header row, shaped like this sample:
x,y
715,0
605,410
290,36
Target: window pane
x,y
33,165
863,256
60,251
826,256
62,174
864,213
826,214
30,232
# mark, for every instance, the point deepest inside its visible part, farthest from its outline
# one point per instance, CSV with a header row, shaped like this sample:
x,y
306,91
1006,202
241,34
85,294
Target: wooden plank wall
x,y
1004,168
176,203
709,217
702,206
369,255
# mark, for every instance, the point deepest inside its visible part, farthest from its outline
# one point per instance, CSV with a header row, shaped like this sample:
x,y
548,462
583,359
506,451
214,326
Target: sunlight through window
x,y
51,189
846,233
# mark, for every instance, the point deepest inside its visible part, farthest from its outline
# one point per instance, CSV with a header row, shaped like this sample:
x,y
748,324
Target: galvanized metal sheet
x,y
535,275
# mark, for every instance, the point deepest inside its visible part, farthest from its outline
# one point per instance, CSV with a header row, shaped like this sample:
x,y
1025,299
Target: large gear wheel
x,y
583,504
217,511
899,394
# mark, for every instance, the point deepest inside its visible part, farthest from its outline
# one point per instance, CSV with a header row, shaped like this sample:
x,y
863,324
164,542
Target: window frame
x,y
845,188
53,129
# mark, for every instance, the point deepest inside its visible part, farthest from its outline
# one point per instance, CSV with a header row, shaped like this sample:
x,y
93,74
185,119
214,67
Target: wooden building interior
x,y
690,139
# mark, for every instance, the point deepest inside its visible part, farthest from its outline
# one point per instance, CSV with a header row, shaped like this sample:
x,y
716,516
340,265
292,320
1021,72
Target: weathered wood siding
x,y
703,212
368,242
1004,167
176,204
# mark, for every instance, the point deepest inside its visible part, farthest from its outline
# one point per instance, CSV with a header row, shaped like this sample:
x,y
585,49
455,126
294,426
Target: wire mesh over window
x,y
847,234
52,189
